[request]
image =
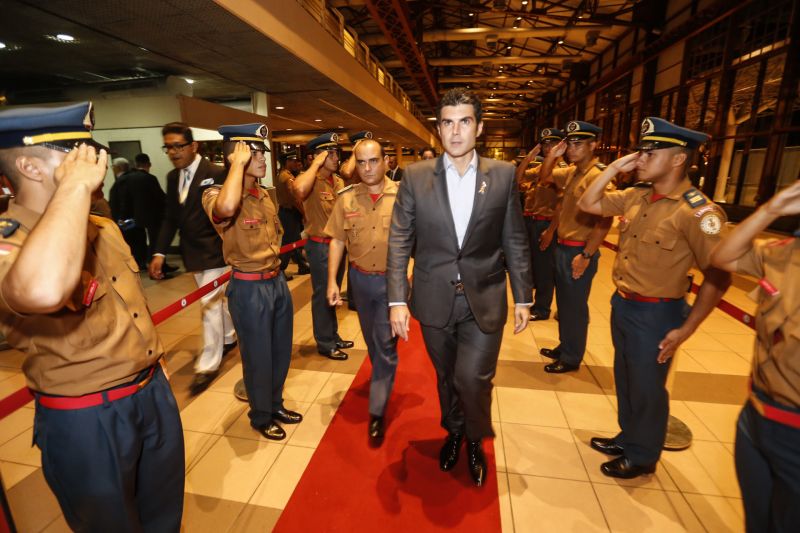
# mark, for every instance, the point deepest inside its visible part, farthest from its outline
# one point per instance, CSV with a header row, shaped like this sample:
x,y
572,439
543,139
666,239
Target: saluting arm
x,y
49,265
347,170
230,197
549,163
591,199
519,173
304,183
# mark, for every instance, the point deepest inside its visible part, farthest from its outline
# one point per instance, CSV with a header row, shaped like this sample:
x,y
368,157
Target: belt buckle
x,y
459,286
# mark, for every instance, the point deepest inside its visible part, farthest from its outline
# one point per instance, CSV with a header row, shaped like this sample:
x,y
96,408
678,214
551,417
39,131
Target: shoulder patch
x,y
711,224
694,198
348,188
601,166
8,226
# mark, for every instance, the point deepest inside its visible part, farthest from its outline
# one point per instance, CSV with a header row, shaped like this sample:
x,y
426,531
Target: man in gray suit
x,y
460,214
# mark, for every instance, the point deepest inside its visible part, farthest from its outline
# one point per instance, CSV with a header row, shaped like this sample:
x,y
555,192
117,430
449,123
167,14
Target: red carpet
x,y
349,486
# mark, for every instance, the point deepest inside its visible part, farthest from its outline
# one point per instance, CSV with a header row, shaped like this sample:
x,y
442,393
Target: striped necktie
x,y
185,183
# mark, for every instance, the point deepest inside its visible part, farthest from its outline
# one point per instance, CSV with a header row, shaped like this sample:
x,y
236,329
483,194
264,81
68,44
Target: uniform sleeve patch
x,y
694,198
8,226
711,224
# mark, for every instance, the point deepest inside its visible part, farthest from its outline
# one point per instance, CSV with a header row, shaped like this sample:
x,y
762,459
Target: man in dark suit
x,y
462,214
149,200
200,245
394,173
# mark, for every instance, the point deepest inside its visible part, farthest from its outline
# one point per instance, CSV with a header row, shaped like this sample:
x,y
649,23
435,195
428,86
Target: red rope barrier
x,y
18,399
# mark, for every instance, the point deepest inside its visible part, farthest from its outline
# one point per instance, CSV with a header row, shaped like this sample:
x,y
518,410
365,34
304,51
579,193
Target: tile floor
x,y
548,477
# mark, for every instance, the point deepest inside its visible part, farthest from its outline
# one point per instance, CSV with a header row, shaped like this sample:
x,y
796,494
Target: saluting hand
x,y
534,152
626,163
82,166
558,150
241,154
786,202
319,160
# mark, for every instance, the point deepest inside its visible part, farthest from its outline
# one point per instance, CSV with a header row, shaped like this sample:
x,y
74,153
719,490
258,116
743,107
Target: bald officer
x,y
348,169
360,221
540,202
768,432
580,235
258,297
71,299
316,188
668,226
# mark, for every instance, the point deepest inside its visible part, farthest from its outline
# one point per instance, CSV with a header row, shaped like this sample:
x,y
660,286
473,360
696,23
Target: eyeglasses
x,y
174,147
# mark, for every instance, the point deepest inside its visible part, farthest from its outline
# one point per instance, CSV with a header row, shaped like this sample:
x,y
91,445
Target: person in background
x,y
767,449
394,172
427,153
291,215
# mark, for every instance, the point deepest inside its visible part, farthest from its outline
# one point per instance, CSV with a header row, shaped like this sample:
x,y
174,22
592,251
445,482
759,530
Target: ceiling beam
x,y
482,32
498,79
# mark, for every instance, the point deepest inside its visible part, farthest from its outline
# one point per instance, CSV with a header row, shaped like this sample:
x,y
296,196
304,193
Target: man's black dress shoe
x,y
376,428
228,347
559,367
166,269
202,381
606,446
336,354
288,277
272,431
537,315
302,270
622,467
286,416
477,462
552,353
343,345
448,457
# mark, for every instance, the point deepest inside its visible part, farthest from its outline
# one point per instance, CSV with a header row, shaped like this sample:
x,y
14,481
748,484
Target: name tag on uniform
x,y
253,221
353,214
326,195
88,298
207,181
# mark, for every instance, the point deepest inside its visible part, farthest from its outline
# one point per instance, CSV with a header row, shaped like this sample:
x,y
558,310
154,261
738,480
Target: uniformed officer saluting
x,y
71,299
360,220
316,188
768,431
258,297
540,203
580,235
667,227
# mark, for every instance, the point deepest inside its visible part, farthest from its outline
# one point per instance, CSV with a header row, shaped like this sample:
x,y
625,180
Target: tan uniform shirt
x,y
660,241
542,199
251,239
94,343
319,204
282,188
574,224
776,362
363,225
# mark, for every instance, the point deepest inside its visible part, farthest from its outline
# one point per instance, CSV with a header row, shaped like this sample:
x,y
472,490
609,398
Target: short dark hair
x,y
141,159
8,161
180,128
428,149
459,96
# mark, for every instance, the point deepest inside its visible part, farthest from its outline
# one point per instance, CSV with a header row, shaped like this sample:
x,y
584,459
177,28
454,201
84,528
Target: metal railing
x,y
334,23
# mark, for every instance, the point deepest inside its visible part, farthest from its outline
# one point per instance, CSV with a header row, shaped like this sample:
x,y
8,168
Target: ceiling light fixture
x,y
317,120
288,129
279,107
561,41
190,81
2,45
524,2
471,14
65,37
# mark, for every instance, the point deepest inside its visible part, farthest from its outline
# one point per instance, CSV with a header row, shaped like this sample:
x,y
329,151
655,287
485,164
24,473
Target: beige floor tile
x,y
13,473
718,417
242,429
542,451
718,322
495,406
19,450
520,347
227,381
335,388
546,504
600,354
12,384
718,514
255,519
588,411
704,468
316,421
304,385
11,359
212,412
282,478
636,510
721,362
704,341
684,362
600,334
15,423
499,447
232,469
681,411
592,459
529,406
195,445
202,514
504,499
741,343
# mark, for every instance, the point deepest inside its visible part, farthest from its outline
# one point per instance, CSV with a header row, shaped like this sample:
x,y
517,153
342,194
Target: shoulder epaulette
x,y
8,226
601,166
643,184
694,198
342,191
562,164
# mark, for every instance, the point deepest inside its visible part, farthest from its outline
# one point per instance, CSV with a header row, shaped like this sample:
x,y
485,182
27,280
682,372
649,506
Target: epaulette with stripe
x,y
342,191
694,198
601,166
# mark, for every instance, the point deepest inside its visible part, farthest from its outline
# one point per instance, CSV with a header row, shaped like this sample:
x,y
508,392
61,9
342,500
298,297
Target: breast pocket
x,y
354,228
91,324
656,248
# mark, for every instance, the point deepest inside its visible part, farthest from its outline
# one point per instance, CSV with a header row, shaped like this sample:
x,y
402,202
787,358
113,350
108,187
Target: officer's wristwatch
x,y
586,255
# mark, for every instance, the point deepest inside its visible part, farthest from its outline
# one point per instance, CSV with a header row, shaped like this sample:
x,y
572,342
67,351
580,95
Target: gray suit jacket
x,y
495,242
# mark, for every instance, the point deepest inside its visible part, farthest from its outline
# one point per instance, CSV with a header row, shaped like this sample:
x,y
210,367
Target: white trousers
x,y
217,324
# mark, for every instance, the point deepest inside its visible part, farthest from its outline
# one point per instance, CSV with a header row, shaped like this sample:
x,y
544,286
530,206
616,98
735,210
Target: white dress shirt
x,y
461,193
185,178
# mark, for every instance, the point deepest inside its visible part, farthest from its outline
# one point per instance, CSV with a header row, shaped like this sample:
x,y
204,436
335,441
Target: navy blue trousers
x,y
572,298
292,222
544,276
116,467
768,467
369,292
642,398
323,316
263,317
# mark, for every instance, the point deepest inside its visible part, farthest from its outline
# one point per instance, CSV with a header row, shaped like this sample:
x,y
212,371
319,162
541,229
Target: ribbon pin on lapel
x,y
482,190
